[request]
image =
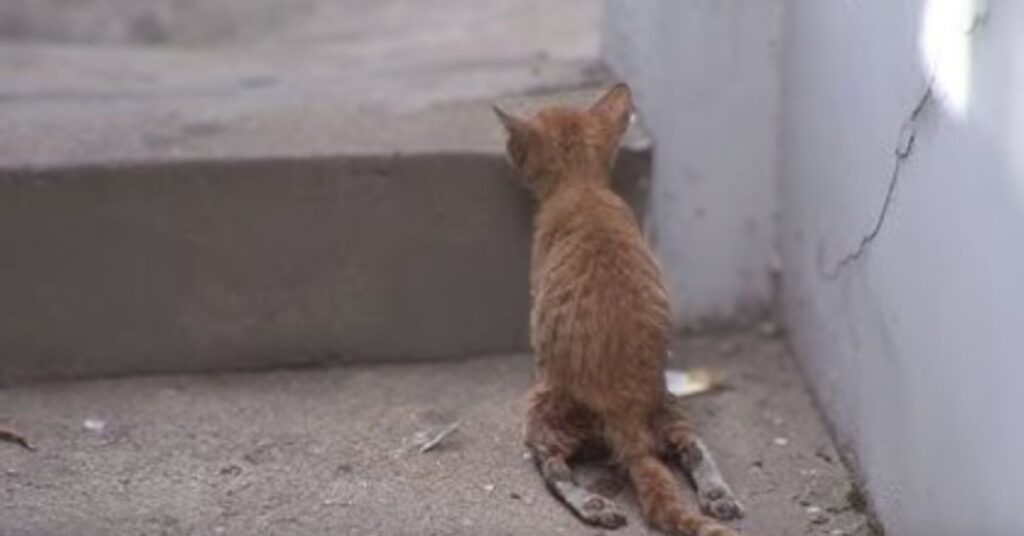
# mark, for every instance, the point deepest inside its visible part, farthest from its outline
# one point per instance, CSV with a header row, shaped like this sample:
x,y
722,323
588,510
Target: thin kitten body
x,y
600,328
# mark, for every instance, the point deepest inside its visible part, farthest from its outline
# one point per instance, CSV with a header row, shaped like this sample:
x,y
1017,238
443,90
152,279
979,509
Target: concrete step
x,y
185,208
335,451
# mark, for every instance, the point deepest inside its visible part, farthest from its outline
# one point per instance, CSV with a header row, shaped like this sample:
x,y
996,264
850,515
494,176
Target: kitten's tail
x,y
663,504
657,489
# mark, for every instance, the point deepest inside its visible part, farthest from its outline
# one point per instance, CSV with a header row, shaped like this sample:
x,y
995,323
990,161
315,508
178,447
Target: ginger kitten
x,y
600,328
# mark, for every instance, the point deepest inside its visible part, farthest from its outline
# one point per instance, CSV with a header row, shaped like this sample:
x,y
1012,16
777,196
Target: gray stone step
x,y
255,262
180,209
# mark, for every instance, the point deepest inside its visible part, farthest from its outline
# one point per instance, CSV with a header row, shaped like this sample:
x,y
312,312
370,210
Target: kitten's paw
x,y
718,502
597,510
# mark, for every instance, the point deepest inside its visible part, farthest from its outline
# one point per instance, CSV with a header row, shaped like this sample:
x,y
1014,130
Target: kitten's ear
x,y
615,108
516,127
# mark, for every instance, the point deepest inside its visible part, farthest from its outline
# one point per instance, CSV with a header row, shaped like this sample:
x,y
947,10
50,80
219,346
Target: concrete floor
x,y
334,451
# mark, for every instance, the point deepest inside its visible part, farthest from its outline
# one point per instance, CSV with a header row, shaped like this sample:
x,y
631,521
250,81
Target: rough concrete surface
x,y
233,79
335,451
203,266
331,187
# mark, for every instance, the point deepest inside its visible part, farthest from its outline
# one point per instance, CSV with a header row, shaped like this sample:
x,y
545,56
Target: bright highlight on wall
x,y
946,45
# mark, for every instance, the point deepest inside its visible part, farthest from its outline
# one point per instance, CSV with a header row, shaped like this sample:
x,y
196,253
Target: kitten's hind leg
x,y
555,431
713,493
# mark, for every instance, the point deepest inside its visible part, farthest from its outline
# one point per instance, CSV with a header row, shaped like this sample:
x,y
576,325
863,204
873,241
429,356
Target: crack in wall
x,y
904,148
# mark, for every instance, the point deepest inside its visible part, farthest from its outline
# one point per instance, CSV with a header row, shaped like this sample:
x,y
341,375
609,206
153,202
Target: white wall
x,y
915,347
913,341
705,74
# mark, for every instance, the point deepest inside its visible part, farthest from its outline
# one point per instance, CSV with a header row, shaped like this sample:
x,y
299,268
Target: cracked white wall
x,y
906,312
900,197
705,74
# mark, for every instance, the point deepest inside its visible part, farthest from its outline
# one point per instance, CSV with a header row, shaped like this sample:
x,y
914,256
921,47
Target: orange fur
x,y
600,313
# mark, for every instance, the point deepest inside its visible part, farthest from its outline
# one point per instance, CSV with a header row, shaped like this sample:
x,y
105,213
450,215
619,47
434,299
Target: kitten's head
x,y
562,144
